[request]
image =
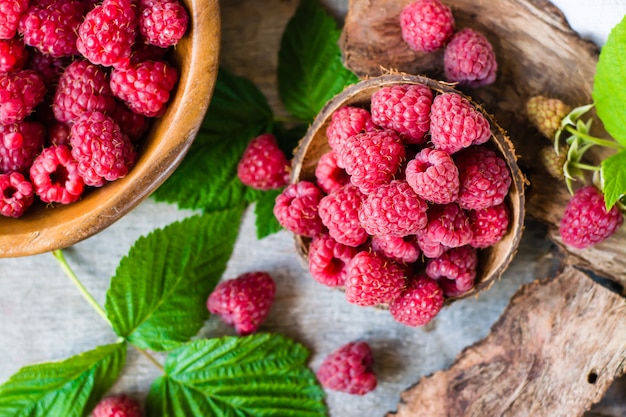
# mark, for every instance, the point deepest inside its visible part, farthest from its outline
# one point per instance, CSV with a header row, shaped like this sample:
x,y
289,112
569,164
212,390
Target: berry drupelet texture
x,y
426,25
348,369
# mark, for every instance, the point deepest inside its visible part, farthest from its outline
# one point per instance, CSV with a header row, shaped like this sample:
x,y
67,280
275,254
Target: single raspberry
x,y
348,369
59,134
13,55
328,260
10,13
102,151
328,176
553,162
419,303
404,108
19,145
51,26
16,194
20,92
586,220
400,249
455,124
429,248
145,87
162,22
546,114
142,51
108,32
263,165
393,209
433,176
469,59
243,302
346,122
372,158
296,209
427,25
373,279
132,124
489,225
448,225
339,212
484,178
54,173
117,406
454,270
49,67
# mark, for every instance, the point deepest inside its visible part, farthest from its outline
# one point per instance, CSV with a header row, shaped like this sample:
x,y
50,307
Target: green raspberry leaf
x,y
207,177
69,388
259,375
310,68
157,298
613,178
266,223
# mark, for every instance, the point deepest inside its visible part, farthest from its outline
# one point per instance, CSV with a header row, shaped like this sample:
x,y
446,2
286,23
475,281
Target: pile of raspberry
x,y
80,83
402,204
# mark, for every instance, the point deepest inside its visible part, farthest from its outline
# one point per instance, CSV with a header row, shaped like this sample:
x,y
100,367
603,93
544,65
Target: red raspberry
x,y
102,151
141,51
404,108
54,174
393,209
243,302
19,145
484,178
348,369
13,55
339,212
429,248
488,225
117,406
10,13
162,22
132,124
296,209
419,303
372,158
454,270
448,225
49,67
586,220
263,165
346,122
145,87
16,194
455,124
469,59
328,175
404,250
59,134
433,176
51,26
20,92
426,25
328,260
373,279
108,32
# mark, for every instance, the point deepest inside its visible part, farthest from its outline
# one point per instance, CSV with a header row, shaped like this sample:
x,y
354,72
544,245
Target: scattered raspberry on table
x,y
348,369
118,406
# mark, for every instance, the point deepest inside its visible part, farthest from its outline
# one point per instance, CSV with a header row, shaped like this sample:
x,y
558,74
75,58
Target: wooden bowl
x,y
491,261
43,228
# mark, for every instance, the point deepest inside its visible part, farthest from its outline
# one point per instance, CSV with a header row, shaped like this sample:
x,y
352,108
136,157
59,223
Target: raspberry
x,y
49,67
19,145
419,303
488,225
455,124
393,209
372,158
448,225
20,92
404,108
132,124
102,151
243,302
328,260
433,176
51,26
263,165
429,248
141,51
469,59
296,209
553,162
427,25
346,122
13,55
162,22
454,270
348,369
339,212
144,87
59,134
404,250
328,175
484,178
108,32
10,13
16,194
54,174
546,114
373,279
586,221
117,406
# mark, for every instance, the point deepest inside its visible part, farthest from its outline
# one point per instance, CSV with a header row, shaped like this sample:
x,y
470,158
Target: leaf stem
x,y
151,358
593,139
